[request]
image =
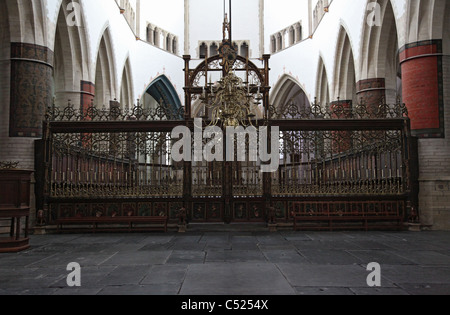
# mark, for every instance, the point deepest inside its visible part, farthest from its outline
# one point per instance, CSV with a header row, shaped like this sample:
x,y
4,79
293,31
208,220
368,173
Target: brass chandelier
x,y
231,102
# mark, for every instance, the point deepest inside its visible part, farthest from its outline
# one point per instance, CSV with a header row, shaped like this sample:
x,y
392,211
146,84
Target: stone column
x,y
425,79
87,95
372,92
422,80
138,18
310,18
150,31
31,88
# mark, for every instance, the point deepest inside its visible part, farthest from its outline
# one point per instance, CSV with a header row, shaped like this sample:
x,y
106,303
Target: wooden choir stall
x,y
15,206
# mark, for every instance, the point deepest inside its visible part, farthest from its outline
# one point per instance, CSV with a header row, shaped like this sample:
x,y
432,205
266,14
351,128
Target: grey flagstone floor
x,y
231,260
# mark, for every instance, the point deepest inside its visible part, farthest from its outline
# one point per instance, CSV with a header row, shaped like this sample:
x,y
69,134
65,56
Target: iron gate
x,y
333,161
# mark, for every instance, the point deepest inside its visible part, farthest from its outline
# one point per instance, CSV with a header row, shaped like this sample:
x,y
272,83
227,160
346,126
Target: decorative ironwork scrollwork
x,y
339,110
162,111
8,165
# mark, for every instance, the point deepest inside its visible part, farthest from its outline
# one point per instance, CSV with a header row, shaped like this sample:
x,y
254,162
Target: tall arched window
x,y
203,50
214,49
344,72
279,42
245,50
150,33
168,43
156,37
298,32
174,45
291,36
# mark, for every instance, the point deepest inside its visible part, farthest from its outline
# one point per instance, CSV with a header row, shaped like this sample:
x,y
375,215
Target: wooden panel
x,y
15,203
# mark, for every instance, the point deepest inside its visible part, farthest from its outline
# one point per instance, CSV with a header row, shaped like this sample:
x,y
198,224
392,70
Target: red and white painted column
x,y
422,80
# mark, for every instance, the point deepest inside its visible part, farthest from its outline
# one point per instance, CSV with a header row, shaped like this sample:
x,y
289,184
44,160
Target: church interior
x,y
146,115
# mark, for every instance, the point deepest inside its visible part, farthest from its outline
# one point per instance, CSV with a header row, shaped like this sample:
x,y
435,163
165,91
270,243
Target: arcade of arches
x,y
54,74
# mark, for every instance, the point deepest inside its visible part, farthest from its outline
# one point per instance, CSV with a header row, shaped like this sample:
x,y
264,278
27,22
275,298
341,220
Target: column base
x,y
182,228
11,245
39,230
414,227
273,227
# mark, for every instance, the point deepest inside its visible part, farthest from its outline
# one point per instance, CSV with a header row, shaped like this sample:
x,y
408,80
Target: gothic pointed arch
x,y
379,62
420,20
126,86
322,85
162,93
441,24
288,91
39,22
27,22
105,74
71,57
344,78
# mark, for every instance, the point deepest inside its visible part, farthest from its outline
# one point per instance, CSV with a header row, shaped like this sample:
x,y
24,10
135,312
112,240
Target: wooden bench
x,y
151,223
367,222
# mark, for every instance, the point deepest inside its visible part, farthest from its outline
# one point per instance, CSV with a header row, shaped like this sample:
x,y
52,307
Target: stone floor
x,y
231,260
